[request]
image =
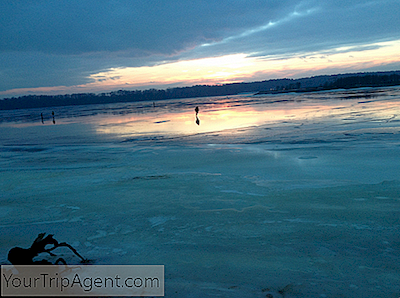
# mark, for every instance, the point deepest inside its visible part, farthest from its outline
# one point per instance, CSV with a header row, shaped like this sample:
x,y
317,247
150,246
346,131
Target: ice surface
x,y
293,195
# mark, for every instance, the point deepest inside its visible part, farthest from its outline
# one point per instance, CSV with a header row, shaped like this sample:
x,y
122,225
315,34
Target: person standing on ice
x,y
197,118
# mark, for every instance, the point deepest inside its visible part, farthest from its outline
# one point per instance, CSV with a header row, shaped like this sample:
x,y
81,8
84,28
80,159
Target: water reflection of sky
x,y
184,122
170,118
242,112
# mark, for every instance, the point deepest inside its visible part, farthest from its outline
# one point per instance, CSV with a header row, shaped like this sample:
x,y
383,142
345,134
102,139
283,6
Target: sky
x,y
78,46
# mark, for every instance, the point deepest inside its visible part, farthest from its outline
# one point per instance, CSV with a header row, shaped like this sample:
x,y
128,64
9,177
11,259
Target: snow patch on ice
x,y
232,191
159,220
73,207
75,244
269,221
119,251
255,194
299,220
100,234
35,223
361,227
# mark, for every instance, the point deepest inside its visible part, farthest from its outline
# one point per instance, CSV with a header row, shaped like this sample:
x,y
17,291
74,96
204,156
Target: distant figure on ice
x,y
54,120
41,115
197,118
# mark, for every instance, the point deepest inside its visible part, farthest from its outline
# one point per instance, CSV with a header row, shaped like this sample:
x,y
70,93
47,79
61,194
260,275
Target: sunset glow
x,y
230,69
240,67
225,117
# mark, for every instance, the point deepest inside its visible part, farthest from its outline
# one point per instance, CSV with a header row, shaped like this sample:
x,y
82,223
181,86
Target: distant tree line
x,y
263,87
40,101
366,81
345,82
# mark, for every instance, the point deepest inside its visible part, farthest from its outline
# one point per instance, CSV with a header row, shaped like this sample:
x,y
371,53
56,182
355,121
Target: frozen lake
x,y
291,195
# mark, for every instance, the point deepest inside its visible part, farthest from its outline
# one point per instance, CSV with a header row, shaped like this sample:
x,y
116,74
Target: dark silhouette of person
x,y
41,115
54,120
197,118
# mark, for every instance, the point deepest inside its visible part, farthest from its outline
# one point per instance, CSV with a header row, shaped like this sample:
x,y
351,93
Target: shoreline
x,y
317,89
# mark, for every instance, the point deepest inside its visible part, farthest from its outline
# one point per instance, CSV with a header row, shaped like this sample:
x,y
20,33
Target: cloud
x,y
65,42
317,26
139,27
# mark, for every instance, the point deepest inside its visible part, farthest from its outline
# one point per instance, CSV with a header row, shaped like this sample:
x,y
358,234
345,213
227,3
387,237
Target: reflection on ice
x,y
295,194
286,118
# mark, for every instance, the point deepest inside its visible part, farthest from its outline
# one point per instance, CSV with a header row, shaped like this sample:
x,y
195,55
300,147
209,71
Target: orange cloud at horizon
x,y
241,67
229,69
